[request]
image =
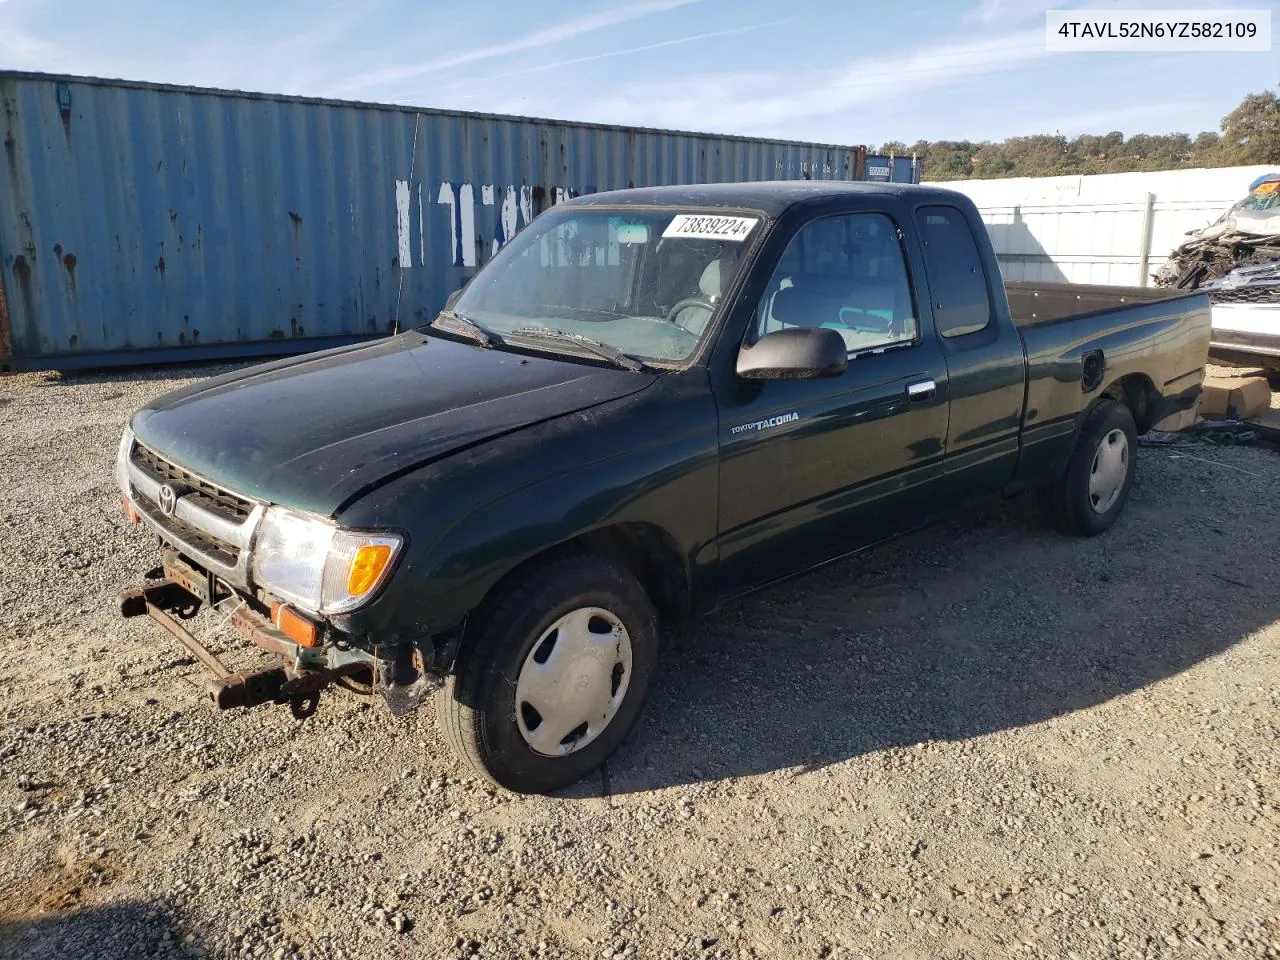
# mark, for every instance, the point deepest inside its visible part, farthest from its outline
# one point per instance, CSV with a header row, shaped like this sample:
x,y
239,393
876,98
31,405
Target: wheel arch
x,y
645,550
1137,392
651,555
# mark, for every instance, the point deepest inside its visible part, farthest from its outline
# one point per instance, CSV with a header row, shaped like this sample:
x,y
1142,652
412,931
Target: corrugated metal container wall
x,y
192,223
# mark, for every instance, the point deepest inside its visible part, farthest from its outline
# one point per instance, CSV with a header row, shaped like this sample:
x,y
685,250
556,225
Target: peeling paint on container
x,y
143,223
6,340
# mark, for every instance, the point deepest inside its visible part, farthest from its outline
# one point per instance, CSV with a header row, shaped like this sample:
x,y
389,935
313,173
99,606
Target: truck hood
x,y
314,431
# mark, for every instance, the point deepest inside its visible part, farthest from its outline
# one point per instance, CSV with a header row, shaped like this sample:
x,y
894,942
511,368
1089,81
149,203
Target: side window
x,y
845,272
957,281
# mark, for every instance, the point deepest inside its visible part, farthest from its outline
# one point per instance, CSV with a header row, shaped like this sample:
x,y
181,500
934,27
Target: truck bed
x,y
1157,339
1034,303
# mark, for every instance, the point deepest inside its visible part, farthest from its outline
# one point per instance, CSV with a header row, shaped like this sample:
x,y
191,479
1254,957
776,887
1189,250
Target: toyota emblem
x,y
167,499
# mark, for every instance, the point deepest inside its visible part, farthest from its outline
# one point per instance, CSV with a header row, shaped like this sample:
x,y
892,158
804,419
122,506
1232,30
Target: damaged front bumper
x,y
402,673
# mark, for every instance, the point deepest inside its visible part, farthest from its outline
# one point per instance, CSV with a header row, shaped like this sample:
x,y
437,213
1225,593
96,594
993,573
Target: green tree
x,y
1044,154
1251,132
1204,148
949,159
992,161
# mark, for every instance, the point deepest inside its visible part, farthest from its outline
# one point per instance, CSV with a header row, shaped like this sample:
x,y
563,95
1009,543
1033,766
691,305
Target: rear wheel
x,y
553,675
1089,496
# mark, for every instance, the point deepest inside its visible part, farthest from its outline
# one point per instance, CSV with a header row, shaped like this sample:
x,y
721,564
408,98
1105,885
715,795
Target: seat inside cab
x,y
845,273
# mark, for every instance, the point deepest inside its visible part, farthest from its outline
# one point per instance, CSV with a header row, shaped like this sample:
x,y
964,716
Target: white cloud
x,y
760,101
302,60
21,50
1009,11
565,30
557,64
1118,118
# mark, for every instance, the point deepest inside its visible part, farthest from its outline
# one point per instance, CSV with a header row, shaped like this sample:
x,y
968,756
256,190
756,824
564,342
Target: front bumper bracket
x,y
292,683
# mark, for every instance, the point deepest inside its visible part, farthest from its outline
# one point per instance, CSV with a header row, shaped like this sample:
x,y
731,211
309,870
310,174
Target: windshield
x,y
1265,196
645,281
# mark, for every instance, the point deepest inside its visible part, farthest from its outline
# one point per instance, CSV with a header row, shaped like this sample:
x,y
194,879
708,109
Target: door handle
x,y
924,390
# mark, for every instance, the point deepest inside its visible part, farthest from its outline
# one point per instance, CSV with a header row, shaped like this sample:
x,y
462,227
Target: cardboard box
x,y
1234,398
1182,420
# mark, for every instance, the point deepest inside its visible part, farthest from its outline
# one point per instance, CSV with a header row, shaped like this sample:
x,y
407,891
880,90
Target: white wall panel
x,y
1090,229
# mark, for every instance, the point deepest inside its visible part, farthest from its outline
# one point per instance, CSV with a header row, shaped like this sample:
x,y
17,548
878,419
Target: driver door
x,y
811,469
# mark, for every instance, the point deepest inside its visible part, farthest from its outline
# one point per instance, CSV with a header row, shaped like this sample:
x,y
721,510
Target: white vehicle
x,y
1246,316
1236,260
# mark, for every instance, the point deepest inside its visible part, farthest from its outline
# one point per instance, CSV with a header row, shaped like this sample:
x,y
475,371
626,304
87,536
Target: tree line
x,y
1250,135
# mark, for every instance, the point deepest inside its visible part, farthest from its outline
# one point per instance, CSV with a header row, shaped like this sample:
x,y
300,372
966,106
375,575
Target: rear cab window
x,y
957,280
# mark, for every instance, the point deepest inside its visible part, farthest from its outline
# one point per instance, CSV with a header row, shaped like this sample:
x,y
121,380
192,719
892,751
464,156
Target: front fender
x,y
650,459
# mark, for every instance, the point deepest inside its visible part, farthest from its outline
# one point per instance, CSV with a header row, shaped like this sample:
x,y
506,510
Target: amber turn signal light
x,y
130,510
367,568
294,625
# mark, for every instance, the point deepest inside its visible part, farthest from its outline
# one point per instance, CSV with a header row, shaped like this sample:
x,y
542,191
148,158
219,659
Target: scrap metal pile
x,y
1237,258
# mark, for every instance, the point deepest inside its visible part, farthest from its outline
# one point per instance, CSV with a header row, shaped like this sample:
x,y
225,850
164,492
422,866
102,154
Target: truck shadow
x,y
129,930
985,624
1019,252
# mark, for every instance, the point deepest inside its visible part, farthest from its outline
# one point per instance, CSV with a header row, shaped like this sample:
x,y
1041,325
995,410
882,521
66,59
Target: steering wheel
x,y
690,302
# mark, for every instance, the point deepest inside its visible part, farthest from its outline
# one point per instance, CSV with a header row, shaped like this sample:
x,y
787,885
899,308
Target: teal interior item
x,y
849,321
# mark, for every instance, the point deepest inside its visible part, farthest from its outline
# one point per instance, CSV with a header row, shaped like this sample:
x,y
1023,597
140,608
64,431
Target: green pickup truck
x,y
648,403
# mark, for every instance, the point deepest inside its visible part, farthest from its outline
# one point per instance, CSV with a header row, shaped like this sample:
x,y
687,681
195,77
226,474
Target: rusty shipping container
x,y
142,223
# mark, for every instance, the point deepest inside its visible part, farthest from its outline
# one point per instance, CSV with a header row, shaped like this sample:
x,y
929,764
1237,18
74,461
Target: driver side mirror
x,y
794,354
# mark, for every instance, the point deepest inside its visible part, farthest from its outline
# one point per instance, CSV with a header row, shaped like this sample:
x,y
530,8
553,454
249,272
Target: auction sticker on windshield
x,y
699,227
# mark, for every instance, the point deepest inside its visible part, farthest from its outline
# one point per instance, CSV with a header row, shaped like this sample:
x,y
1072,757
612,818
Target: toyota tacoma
x,y
649,402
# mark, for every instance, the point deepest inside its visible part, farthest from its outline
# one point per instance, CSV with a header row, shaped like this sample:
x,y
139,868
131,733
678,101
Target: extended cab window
x,y
848,273
957,281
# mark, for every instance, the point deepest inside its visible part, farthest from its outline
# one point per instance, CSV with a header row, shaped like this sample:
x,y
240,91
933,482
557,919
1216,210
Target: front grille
x,y
202,493
196,539
209,521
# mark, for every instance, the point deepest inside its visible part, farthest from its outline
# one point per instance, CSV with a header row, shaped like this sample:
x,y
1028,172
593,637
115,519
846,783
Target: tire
x,y
1084,502
511,648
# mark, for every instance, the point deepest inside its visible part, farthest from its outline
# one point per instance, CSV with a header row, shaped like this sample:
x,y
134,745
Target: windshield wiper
x,y
468,327
603,350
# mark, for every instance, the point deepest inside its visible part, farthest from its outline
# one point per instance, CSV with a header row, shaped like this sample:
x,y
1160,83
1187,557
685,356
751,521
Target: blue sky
x,y
833,72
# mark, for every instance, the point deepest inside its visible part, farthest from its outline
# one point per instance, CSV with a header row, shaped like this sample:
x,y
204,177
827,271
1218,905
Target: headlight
x,y
122,460
317,566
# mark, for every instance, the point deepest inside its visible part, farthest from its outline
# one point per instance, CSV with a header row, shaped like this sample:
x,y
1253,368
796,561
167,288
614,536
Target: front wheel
x,y
553,675
1089,496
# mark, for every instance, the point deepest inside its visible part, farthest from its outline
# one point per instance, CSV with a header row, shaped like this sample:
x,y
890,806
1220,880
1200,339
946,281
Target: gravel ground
x,y
984,740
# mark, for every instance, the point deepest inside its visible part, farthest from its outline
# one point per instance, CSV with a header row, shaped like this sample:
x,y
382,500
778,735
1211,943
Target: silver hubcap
x,y
1110,468
573,681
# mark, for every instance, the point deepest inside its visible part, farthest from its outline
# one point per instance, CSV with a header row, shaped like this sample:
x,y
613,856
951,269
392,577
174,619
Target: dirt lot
x,y
985,740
